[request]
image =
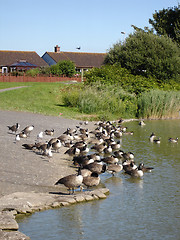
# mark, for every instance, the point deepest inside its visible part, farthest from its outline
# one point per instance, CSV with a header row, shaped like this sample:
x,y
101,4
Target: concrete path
x,y
12,88
22,170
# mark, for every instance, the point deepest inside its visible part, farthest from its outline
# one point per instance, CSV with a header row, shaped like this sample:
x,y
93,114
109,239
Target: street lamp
x,y
124,35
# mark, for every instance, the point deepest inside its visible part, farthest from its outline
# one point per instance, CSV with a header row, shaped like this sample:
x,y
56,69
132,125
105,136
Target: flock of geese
x,y
92,152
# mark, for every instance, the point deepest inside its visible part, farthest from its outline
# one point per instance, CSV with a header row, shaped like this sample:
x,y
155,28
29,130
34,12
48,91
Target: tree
x,y
145,53
66,68
167,22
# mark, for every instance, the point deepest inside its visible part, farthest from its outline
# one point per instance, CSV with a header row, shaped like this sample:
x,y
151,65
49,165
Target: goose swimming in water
x,y
158,141
138,172
173,140
145,169
152,137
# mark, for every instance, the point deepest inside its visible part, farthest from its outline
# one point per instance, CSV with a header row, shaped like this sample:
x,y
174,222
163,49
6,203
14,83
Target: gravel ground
x,y
23,170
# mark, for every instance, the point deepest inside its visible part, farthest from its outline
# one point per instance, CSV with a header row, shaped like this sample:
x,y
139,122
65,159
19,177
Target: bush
x,y
33,72
115,74
66,68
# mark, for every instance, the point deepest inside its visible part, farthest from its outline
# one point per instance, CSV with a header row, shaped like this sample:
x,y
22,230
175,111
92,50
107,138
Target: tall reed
x,y
157,104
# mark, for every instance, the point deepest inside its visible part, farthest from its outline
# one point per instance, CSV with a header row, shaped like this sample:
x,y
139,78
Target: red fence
x,y
4,78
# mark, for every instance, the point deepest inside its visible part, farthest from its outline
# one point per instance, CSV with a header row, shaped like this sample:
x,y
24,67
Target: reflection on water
x,y
147,208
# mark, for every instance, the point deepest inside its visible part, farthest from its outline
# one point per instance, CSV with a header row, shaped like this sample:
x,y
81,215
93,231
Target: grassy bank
x,y
92,102
43,98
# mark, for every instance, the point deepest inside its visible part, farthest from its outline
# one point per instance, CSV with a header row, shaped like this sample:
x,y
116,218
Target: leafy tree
x,y
147,54
66,68
167,22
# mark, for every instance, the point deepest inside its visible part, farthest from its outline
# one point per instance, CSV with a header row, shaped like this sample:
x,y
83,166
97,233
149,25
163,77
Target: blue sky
x,y
95,25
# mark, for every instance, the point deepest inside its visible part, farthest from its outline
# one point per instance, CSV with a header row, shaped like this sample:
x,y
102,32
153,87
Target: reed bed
x,y
158,104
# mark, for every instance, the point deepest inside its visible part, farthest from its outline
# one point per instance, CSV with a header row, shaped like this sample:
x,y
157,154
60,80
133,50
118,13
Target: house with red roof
x,y
83,61
20,60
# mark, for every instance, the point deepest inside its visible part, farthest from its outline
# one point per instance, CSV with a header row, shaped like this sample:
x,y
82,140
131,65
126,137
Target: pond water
x,y
147,208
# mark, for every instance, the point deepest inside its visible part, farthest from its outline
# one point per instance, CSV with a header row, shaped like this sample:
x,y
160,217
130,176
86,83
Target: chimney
x,y
57,49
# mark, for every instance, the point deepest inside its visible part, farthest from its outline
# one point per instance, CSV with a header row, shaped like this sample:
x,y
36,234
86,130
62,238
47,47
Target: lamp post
x,y
124,35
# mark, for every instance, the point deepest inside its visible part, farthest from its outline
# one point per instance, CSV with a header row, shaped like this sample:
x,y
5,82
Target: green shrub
x,y
33,72
66,68
115,74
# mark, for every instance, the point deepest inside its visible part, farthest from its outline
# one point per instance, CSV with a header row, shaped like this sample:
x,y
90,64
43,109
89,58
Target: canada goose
x,y
71,181
145,169
82,160
129,133
152,137
56,145
173,140
128,155
72,151
17,138
43,147
114,168
85,172
108,150
129,165
49,132
68,144
99,147
158,141
29,146
116,145
70,131
118,153
84,137
120,120
22,134
47,152
65,137
14,128
118,134
83,149
110,159
135,172
83,131
97,140
27,130
97,167
142,123
94,156
122,128
52,140
79,144
92,180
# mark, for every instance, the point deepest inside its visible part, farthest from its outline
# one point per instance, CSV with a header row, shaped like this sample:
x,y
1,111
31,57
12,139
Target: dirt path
x,y
22,170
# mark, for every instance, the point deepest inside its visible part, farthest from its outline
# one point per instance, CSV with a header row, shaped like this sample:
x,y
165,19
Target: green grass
x,y
43,98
